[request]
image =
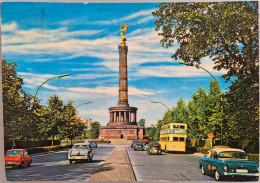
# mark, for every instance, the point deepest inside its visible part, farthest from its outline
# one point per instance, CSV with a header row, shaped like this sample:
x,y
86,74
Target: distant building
x,y
87,122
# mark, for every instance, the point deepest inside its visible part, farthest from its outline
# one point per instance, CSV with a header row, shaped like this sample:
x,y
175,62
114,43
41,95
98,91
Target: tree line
x,y
26,119
228,33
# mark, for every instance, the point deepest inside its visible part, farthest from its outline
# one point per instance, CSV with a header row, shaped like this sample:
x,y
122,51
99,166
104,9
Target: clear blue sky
x,y
48,39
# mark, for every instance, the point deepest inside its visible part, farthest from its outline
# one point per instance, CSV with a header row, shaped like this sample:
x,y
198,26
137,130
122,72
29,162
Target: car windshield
x,y
14,153
235,155
80,147
93,143
139,143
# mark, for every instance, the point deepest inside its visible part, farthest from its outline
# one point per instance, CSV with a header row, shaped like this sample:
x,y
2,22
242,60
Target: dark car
x,y
223,162
91,143
154,148
139,146
134,142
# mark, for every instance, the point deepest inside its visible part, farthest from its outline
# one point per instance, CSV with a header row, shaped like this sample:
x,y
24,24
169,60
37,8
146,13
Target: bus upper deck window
x,y
182,127
175,126
168,126
175,138
181,139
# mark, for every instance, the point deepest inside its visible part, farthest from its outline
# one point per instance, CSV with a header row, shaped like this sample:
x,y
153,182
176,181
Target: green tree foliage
x,y
198,107
150,131
226,31
54,120
242,109
159,124
71,126
12,99
215,110
94,133
17,114
168,117
181,113
141,122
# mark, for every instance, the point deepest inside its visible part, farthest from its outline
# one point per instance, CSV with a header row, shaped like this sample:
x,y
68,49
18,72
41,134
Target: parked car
x,y
17,157
80,151
147,145
223,162
220,146
93,144
154,148
139,146
134,142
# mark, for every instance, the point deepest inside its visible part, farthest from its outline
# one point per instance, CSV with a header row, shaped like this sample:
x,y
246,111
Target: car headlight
x,y
17,160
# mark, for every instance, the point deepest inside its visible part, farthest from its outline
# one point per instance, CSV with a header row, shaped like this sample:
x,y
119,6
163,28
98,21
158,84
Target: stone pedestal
x,y
129,132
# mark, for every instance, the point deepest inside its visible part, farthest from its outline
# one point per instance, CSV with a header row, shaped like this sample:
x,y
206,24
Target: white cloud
x,y
139,14
9,27
179,71
112,91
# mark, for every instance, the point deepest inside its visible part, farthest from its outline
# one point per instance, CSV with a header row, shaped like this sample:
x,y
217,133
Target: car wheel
x,y
70,161
21,165
30,163
217,176
202,170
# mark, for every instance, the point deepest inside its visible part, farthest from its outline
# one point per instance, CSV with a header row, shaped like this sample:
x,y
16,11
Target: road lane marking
x,y
187,162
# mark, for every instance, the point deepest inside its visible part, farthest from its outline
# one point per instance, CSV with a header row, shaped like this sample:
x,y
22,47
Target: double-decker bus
x,y
173,137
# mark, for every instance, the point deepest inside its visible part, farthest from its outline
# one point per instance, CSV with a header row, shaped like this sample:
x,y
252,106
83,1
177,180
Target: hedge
x,y
254,157
47,149
22,144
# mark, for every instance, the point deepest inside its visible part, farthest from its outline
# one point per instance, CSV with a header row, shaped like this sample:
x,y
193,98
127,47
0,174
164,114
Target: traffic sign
x,y
210,135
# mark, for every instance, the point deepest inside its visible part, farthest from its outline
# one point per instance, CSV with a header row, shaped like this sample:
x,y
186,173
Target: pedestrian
x,y
13,145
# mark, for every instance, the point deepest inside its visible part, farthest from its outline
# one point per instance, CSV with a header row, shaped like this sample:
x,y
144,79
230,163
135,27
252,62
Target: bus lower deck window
x,y
175,138
182,139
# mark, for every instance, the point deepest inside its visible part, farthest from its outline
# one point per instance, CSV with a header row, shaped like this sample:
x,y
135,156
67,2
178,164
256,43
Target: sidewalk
x,y
117,167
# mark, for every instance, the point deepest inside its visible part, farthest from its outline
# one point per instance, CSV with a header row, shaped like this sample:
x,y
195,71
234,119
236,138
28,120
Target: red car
x,y
17,157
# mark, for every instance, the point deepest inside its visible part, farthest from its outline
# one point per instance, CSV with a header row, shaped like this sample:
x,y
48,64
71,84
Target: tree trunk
x,y
52,140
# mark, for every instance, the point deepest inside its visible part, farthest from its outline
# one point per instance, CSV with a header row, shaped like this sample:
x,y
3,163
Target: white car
x,y
80,151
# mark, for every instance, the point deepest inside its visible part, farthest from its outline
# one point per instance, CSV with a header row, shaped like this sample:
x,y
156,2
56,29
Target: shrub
x,y
254,157
46,149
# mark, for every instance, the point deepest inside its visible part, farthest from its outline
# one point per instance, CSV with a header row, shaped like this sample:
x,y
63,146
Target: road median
x,y
117,167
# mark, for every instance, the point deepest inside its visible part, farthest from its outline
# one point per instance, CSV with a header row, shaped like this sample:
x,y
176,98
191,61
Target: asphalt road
x,y
55,167
166,167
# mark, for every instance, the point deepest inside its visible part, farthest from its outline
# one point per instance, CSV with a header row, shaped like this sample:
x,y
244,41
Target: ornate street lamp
x,y
163,105
60,76
83,103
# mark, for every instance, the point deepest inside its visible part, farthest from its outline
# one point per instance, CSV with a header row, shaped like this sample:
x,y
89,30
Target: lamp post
x,y
198,67
163,105
60,76
83,103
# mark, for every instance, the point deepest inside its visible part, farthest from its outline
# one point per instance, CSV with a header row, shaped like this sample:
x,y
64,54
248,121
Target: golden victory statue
x,y
123,29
